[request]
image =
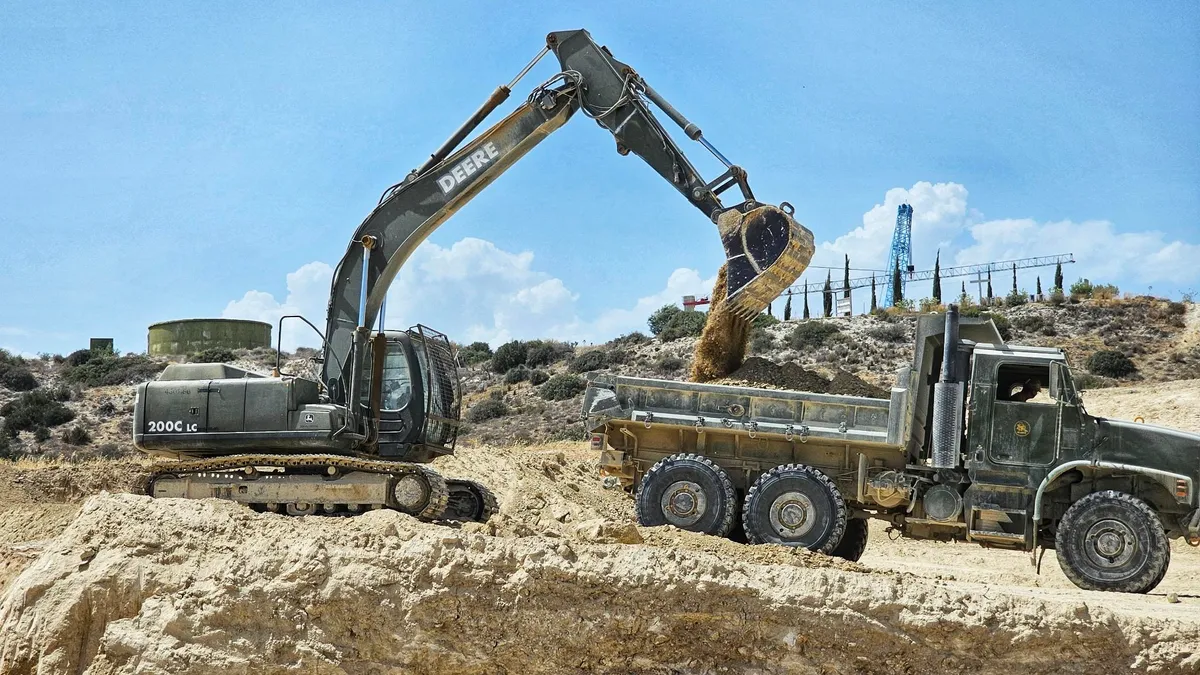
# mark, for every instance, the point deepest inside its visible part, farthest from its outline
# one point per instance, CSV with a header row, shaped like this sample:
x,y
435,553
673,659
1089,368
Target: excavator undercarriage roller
x,y
305,484
766,251
469,501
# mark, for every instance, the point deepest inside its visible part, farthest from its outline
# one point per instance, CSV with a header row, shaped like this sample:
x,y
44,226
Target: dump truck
x,y
980,441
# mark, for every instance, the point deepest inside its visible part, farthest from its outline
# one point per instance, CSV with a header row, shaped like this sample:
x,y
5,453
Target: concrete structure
x,y
188,336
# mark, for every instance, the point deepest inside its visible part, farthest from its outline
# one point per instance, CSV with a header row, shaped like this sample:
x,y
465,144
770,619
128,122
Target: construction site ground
x,y
96,580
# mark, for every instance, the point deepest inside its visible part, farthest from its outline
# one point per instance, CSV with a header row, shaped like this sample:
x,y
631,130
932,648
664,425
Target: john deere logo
x,y
1021,428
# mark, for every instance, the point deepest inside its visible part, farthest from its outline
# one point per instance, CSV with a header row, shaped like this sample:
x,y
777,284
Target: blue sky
x,y
162,161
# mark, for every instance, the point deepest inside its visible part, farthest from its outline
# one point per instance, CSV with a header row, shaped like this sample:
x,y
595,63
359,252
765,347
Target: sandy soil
x,y
561,580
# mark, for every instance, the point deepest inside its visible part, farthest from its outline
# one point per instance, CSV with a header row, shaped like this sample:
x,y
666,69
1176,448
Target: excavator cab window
x,y
397,378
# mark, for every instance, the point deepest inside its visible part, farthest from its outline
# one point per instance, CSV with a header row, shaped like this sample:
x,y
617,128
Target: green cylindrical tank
x,y
188,336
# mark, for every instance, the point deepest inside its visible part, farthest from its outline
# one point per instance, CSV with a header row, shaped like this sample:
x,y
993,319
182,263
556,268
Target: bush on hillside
x,y
76,435
761,341
518,374
633,339
476,352
1110,363
546,352
17,378
78,358
487,409
537,377
41,434
588,361
684,324
1057,298
1016,299
812,334
214,355
102,370
661,317
764,320
562,387
35,409
509,355
888,332
668,364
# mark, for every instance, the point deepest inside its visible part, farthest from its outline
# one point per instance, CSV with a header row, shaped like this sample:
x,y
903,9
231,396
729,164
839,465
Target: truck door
x,y
1025,418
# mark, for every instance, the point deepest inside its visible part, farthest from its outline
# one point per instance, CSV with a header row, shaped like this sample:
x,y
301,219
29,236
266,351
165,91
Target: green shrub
x,y
630,340
78,358
888,332
617,356
588,361
1030,323
668,364
562,387
35,409
6,445
661,317
537,377
76,435
1016,298
1082,288
487,409
214,355
476,352
546,352
1176,308
1057,298
103,370
812,334
517,374
509,355
761,341
1105,291
17,378
1110,363
684,324
41,434
764,320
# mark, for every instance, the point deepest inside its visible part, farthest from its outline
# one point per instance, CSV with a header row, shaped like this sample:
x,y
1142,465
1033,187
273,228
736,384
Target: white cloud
x,y
939,213
308,295
472,290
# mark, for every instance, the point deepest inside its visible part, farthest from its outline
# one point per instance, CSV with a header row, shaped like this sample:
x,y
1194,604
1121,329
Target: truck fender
x,y
1170,480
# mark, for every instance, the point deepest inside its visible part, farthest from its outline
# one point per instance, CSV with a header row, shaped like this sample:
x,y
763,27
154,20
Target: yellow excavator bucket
x,y
766,250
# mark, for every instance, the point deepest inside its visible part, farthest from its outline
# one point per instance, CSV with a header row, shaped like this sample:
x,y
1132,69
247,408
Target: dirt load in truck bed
x,y
759,372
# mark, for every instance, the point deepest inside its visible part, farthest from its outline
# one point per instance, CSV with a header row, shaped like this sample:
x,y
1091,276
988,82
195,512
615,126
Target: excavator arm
x,y
766,249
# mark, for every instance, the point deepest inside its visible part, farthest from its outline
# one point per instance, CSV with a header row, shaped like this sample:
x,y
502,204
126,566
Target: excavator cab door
x,y
401,414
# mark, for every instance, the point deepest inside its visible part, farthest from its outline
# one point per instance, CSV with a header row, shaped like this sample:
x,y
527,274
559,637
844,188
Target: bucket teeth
x,y
766,251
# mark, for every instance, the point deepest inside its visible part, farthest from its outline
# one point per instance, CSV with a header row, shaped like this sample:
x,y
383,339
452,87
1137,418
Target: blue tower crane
x,y
901,255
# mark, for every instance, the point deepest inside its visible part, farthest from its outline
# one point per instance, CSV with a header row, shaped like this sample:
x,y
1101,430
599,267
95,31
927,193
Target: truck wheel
x,y
1112,541
853,542
689,492
795,505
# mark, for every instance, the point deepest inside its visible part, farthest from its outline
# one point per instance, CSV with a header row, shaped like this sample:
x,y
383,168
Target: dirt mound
x,y
141,585
759,372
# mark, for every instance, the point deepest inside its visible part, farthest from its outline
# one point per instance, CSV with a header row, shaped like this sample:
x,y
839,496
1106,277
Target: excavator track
x,y
305,484
470,500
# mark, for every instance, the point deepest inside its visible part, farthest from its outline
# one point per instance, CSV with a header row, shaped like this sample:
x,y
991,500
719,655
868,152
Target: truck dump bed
x,y
637,421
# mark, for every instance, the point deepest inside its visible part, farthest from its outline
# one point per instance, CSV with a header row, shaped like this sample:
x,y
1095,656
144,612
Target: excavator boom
x,y
766,249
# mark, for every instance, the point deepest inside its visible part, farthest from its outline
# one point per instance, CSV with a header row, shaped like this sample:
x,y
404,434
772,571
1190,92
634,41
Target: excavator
x,y
387,402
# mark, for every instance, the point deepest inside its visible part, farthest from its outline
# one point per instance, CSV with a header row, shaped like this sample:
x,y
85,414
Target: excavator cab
x,y
418,393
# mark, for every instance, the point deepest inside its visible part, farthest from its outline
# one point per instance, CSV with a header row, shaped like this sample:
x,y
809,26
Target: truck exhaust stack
x,y
948,400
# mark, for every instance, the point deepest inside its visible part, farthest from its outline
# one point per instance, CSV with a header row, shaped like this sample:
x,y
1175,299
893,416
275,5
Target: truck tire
x,y
1112,541
853,542
689,492
795,505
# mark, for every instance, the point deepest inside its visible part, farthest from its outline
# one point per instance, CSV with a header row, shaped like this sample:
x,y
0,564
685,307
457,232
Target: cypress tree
x,y
964,288
1014,278
897,286
937,278
769,309
989,296
828,293
846,280
787,308
1039,286
806,313
874,302
1058,280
